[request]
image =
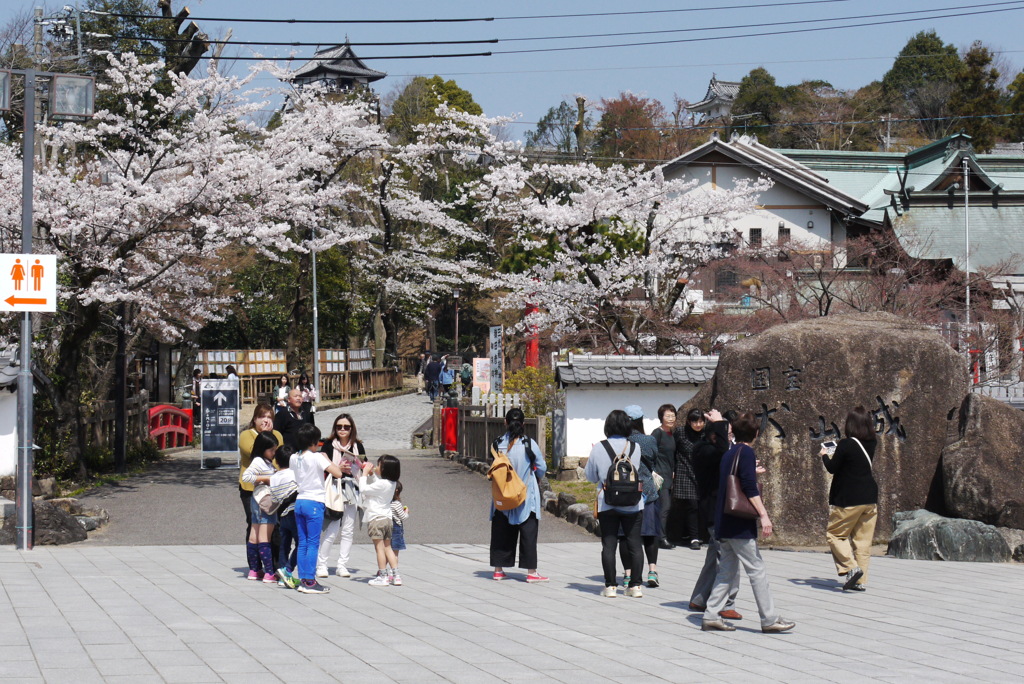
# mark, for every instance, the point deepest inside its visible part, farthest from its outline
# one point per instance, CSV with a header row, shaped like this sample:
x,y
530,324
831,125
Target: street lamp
x,y
73,99
455,296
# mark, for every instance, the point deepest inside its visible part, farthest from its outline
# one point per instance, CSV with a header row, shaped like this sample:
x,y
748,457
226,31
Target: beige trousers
x,y
850,531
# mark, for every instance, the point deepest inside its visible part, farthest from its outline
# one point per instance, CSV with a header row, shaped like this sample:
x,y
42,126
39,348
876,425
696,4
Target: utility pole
x,y
967,240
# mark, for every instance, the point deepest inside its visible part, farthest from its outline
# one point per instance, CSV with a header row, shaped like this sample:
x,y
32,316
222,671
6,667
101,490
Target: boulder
x,y
982,472
801,379
53,525
923,535
565,500
574,512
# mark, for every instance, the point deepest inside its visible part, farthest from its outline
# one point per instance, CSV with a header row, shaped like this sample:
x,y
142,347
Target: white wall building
x,y
595,385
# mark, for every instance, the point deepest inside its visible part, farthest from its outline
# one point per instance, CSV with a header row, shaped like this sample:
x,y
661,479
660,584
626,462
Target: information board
x,y
496,354
219,401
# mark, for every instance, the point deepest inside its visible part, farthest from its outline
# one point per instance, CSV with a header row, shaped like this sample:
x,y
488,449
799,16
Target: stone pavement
x,y
384,424
184,614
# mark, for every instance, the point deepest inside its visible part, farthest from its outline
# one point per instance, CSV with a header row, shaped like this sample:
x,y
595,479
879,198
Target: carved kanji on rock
x,y
885,423
765,416
760,378
823,432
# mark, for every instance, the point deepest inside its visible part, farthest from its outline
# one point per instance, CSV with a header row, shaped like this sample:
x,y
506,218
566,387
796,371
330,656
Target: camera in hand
x,y
829,446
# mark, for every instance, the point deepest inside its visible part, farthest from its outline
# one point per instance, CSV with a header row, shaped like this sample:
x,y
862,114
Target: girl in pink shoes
x,y
523,523
257,547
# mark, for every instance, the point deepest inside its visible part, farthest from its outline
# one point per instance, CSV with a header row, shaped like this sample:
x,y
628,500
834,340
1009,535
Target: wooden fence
x,y
333,386
100,423
477,430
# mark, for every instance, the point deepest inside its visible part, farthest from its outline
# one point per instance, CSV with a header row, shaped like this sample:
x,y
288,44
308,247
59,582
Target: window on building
x,y
725,278
784,235
755,237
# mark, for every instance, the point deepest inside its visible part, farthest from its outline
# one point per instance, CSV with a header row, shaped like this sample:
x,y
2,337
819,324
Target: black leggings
x,y
610,521
650,545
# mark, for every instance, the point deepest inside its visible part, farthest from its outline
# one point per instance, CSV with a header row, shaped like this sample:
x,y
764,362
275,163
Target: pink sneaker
x,y
536,578
269,578
499,575
253,575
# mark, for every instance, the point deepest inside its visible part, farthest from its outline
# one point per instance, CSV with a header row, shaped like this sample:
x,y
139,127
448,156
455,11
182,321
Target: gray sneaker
x,y
851,578
315,588
716,626
780,625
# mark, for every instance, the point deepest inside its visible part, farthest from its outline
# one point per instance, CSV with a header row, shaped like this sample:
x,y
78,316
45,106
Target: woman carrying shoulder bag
x,y
737,533
344,450
852,499
520,524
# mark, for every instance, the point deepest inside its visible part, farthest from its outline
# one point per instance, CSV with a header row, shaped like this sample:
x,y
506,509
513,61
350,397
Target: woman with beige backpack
x,y
522,523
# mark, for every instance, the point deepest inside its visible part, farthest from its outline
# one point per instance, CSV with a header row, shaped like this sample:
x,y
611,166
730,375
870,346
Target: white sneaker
x,y
381,580
322,571
396,579
635,592
342,571
610,592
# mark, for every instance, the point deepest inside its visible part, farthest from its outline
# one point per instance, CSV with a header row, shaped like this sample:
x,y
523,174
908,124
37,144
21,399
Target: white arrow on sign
x,y
219,398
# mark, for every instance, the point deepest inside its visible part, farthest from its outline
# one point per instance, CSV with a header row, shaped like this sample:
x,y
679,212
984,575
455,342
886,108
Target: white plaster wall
x,y
587,407
8,432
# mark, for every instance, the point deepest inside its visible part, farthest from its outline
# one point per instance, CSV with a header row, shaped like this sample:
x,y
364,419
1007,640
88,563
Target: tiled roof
x,y
338,60
937,232
636,370
717,91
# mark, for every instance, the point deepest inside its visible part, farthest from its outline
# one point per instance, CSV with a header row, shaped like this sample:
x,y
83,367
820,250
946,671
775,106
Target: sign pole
x,y
24,519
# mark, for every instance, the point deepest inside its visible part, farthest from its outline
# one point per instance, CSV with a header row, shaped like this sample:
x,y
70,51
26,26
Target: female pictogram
x,y
18,274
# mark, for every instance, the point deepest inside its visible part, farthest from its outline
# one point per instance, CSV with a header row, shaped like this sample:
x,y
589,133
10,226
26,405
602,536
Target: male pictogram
x,y
37,275
17,274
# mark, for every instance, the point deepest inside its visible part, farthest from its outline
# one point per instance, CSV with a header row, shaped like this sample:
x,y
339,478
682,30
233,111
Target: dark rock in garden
x,y
87,522
801,379
564,501
53,525
573,512
68,505
1018,554
922,535
983,471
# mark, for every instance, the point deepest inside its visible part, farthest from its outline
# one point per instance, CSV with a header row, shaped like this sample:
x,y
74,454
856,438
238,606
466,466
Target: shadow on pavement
x,y
818,583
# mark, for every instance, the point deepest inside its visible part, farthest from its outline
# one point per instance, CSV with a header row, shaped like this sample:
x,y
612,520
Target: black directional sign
x,y
219,426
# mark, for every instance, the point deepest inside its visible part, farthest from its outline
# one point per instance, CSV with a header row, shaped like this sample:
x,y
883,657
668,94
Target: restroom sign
x,y
29,282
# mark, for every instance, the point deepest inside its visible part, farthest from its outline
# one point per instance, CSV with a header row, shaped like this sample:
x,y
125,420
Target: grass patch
x,y
585,492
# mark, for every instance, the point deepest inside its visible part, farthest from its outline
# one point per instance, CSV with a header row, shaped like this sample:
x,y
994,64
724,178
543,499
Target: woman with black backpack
x,y
614,466
520,524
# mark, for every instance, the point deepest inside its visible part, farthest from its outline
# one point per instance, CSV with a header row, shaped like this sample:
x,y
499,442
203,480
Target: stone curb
x,y
562,505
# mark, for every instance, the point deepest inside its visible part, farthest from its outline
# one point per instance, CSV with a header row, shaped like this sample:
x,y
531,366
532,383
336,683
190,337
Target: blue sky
x,y
528,84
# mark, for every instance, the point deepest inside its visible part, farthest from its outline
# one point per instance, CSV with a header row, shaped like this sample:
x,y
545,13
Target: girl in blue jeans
x,y
309,467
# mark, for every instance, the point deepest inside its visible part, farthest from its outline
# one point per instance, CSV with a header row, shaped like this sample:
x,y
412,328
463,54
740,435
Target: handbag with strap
x,y
871,464
736,502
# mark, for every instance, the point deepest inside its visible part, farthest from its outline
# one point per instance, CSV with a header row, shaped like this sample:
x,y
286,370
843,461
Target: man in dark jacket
x,y
432,376
289,421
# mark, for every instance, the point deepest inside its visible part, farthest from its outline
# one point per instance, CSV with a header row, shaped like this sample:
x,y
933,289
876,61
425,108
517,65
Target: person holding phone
x,y
852,498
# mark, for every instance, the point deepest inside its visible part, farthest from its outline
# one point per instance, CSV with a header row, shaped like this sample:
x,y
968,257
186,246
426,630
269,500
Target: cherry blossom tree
x,y
606,251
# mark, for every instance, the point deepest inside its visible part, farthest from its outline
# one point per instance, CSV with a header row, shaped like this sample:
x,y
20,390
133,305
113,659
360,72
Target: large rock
x,y
922,535
53,525
983,471
801,379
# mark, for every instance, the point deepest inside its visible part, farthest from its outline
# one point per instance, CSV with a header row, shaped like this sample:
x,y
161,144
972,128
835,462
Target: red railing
x,y
170,426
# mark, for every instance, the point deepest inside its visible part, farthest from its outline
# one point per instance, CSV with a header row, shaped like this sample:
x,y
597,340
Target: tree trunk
x,y
298,339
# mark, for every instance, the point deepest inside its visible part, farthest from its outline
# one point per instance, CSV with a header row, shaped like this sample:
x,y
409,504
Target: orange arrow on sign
x,y
14,301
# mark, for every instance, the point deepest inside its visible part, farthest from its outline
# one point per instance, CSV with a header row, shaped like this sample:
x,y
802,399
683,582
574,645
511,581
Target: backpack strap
x,y
871,464
608,447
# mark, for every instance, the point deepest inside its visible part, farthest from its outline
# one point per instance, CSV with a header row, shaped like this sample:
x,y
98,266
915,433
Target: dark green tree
x,y
555,130
922,80
416,104
1015,103
977,95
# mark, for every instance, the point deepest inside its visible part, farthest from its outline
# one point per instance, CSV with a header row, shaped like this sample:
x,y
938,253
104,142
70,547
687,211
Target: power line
x,y
752,35
472,19
306,44
304,59
763,24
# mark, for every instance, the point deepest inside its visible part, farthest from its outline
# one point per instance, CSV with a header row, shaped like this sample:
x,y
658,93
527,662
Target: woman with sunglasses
x,y
345,450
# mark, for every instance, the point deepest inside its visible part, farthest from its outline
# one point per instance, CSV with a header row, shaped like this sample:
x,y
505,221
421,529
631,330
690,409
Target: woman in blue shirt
x,y
521,524
738,536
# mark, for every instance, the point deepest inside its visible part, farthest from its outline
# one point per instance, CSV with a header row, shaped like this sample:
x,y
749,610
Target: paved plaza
x,y
185,614
158,595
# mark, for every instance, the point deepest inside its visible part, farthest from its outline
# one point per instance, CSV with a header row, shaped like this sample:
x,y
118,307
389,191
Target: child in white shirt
x,y
377,489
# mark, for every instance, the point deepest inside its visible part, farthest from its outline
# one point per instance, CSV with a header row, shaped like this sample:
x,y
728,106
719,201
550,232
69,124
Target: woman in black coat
x,y
852,499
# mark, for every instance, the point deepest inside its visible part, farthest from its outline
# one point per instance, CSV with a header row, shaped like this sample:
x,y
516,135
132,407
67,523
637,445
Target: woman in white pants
x,y
345,450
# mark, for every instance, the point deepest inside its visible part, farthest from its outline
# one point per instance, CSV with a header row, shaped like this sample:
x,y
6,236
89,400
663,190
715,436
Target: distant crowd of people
x,y
435,378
